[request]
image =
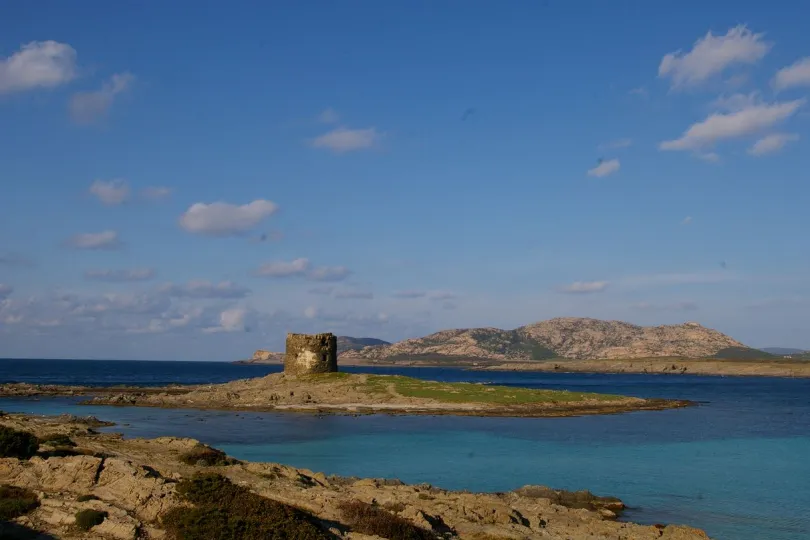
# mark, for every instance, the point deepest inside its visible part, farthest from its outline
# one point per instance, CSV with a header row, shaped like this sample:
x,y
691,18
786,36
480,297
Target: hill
x,y
347,343
575,338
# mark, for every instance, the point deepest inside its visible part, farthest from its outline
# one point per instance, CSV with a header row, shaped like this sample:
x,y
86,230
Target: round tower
x,y
310,353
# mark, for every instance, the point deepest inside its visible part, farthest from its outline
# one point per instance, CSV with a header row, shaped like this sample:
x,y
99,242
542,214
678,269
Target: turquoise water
x,y
737,465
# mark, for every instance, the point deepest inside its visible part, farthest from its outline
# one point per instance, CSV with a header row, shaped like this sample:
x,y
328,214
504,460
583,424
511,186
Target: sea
x,y
737,465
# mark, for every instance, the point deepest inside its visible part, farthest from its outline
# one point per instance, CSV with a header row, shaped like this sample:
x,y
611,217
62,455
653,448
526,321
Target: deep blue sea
x,y
737,466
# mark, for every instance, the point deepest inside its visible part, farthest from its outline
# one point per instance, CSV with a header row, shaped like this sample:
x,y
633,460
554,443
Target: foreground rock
x,y
361,394
134,482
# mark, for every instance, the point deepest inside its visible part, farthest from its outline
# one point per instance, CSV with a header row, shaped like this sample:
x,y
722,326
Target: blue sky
x,y
187,182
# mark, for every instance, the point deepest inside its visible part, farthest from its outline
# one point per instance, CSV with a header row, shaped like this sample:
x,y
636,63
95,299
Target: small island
x,y
312,383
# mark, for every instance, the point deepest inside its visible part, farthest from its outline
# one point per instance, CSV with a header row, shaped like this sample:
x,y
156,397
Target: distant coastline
x,y
765,367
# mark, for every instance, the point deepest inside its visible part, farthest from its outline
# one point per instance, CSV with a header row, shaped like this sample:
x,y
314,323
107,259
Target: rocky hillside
x,y
568,337
347,343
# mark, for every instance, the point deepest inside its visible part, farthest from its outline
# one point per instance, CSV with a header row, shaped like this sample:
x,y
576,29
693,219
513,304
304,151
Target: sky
x,y
186,181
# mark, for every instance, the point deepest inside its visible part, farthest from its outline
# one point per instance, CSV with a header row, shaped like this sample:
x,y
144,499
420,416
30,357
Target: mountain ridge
x,y
564,337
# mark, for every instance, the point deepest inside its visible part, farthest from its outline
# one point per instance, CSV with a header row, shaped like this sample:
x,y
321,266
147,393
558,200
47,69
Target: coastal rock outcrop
x,y
134,481
266,357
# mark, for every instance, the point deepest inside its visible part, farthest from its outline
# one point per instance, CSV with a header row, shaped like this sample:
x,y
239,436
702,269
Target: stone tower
x,y
310,353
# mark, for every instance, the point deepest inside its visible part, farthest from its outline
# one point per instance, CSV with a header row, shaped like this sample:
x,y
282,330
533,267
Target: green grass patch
x,y
225,511
476,393
15,502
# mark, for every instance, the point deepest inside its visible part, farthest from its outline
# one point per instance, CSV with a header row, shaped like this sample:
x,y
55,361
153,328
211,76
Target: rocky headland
x,y
69,481
568,337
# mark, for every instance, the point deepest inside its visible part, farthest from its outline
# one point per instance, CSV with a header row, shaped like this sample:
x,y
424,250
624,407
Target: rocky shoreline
x,y
137,488
342,393
666,366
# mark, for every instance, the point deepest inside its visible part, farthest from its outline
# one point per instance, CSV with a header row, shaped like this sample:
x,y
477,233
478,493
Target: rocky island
x,y
572,344
61,478
311,383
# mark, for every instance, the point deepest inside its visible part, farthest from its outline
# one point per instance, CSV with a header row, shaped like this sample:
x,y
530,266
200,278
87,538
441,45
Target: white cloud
x,y
311,312
329,116
156,193
135,274
38,64
687,220
796,74
617,144
117,304
205,289
5,291
356,295
329,273
585,287
342,139
442,295
112,192
772,143
223,219
230,320
101,240
736,102
297,267
711,55
605,168
88,107
746,121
